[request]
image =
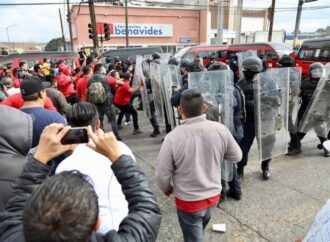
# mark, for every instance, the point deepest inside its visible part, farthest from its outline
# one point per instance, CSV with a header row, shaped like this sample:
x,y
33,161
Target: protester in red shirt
x,y
114,81
65,84
16,101
122,101
82,83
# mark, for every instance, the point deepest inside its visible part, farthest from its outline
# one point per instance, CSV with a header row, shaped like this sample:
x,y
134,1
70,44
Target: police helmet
x,y
185,64
155,56
286,61
315,70
253,64
173,61
212,57
218,66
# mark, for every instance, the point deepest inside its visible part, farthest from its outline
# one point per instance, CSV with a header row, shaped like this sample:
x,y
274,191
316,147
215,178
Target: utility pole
x,y
238,21
69,22
63,38
271,23
126,23
220,22
298,17
93,23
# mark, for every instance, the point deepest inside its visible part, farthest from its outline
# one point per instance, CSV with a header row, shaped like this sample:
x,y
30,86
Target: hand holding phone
x,y
75,136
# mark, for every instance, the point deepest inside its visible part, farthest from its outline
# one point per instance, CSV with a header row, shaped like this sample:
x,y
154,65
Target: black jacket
x,y
141,224
15,143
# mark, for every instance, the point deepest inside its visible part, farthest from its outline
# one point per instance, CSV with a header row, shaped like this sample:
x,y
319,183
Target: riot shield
x,y
145,75
271,97
317,115
218,93
176,75
167,85
164,57
241,56
294,98
155,78
138,73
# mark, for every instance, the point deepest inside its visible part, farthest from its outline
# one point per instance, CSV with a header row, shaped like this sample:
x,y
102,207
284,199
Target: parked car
x,y
271,50
204,52
316,50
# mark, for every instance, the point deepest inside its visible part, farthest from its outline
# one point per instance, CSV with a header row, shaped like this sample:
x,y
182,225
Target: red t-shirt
x,y
65,84
123,96
195,206
112,82
82,87
16,101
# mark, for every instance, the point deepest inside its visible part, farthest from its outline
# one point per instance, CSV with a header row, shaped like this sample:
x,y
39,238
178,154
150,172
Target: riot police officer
x,y
251,67
308,87
234,190
295,89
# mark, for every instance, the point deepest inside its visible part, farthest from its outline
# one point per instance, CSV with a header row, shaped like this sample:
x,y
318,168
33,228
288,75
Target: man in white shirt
x,y
113,206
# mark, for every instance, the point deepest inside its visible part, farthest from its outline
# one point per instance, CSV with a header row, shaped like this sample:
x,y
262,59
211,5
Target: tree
x,y
54,44
320,30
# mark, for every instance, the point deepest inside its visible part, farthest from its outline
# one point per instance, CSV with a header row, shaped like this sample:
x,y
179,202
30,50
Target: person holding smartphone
x,y
65,206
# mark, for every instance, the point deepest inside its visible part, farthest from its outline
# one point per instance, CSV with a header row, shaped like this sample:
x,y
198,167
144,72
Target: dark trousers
x,y
234,185
153,118
246,143
109,110
193,224
128,108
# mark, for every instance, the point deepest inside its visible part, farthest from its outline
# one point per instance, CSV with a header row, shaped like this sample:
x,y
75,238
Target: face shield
x,y
316,73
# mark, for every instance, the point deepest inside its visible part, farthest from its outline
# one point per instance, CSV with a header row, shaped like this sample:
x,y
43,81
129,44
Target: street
x,y
280,209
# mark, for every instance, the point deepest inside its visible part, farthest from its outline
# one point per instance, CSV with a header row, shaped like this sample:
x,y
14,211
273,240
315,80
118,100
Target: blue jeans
x,y
194,224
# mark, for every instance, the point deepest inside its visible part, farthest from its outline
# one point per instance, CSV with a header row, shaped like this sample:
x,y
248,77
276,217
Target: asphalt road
x,y
280,209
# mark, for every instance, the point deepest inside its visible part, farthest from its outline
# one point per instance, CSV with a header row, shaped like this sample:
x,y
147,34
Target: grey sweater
x,y
191,157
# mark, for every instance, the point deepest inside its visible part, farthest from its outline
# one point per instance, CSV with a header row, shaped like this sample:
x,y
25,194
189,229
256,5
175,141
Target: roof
x,y
274,45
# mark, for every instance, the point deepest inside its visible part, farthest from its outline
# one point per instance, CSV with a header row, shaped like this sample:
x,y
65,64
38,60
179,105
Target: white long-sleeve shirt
x,y
113,206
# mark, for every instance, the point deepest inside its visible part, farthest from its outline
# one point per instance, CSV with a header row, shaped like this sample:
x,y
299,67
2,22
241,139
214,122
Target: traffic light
x,y
90,31
106,31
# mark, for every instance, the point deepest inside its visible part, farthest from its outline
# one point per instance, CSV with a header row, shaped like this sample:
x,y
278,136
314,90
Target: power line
x,y
157,4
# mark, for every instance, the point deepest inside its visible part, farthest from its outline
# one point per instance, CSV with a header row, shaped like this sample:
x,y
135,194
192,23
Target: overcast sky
x,y
41,23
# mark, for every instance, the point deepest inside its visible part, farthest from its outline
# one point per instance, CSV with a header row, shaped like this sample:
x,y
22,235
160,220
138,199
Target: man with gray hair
x,y
191,157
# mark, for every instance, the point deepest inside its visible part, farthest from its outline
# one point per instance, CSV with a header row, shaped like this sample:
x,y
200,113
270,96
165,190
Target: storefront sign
x,y
185,39
141,30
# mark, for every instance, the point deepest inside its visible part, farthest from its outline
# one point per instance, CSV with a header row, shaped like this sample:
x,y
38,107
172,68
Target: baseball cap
x,y
32,85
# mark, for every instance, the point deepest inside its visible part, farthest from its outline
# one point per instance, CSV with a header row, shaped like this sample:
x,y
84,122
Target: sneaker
x,y
137,131
155,133
127,123
293,151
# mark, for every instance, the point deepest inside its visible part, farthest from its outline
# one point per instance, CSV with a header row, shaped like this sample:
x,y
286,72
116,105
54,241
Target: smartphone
x,y
75,136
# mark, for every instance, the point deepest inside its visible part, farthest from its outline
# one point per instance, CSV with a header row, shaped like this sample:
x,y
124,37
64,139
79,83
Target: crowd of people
x,y
96,192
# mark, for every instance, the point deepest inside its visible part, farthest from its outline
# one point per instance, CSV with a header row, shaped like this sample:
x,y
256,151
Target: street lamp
x,y
299,10
8,27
